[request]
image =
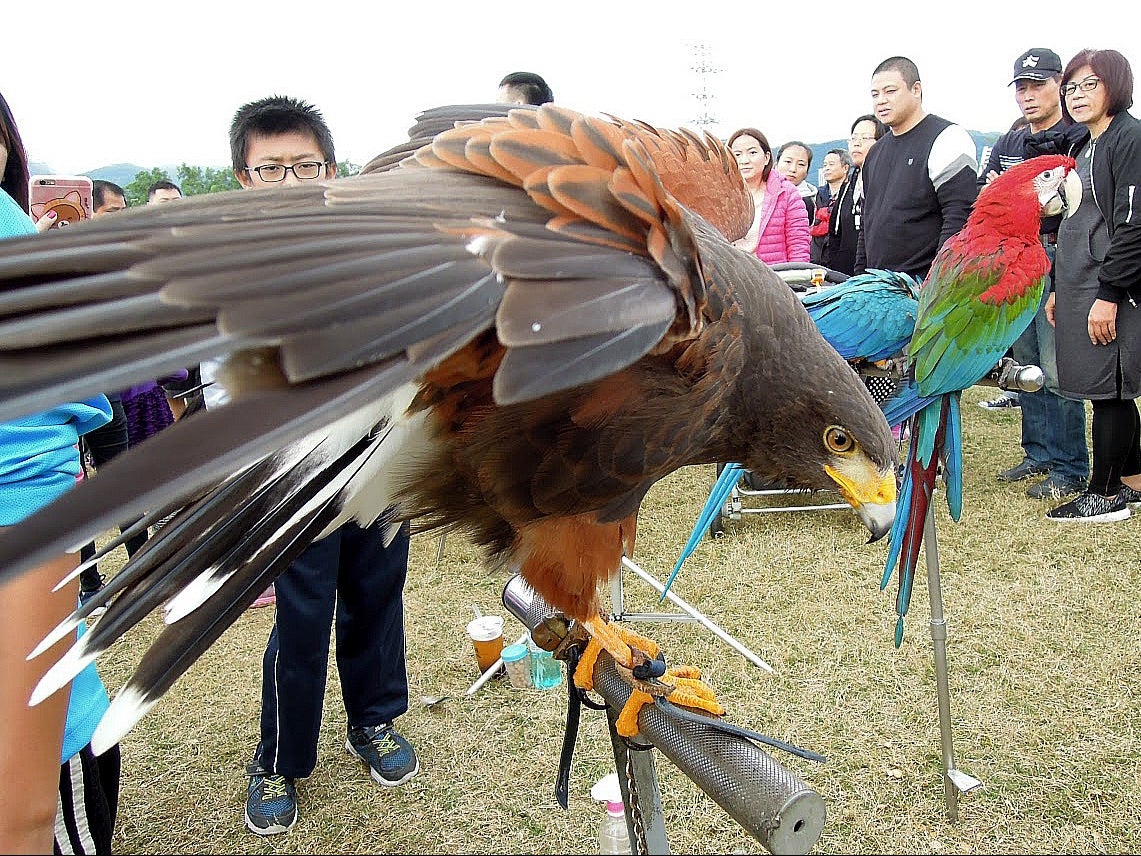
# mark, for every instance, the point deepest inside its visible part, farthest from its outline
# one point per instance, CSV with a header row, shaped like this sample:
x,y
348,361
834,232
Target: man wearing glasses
x,y
349,576
1053,427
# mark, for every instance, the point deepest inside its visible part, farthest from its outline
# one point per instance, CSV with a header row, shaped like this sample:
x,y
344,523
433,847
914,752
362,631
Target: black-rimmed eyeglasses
x,y
1087,85
304,171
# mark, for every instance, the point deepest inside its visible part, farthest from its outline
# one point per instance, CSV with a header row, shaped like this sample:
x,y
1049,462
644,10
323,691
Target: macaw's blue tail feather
x,y
904,404
729,477
952,456
930,421
920,467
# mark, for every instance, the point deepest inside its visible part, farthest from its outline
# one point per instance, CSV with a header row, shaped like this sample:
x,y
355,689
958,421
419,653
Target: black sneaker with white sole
x,y
1132,497
1091,508
1003,401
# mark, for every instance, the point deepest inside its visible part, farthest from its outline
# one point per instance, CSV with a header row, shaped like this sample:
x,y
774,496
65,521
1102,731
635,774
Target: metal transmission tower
x,y
704,68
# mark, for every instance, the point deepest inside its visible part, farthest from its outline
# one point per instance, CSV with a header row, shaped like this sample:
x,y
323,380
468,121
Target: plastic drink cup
x,y
546,671
486,634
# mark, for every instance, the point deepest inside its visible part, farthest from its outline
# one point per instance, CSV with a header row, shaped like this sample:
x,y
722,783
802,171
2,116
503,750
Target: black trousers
x,y
88,802
105,443
1116,434
351,576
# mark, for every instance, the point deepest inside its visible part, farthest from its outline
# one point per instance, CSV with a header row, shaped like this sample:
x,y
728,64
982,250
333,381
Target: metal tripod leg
x,y
640,766
617,599
954,781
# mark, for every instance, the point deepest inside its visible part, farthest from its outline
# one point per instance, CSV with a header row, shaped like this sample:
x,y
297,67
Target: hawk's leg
x,y
680,684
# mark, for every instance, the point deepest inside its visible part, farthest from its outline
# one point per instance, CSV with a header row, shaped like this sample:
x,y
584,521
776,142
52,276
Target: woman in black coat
x,y
1095,309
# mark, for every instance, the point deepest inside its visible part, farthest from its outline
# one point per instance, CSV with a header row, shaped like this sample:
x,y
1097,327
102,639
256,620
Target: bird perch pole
x,y
954,780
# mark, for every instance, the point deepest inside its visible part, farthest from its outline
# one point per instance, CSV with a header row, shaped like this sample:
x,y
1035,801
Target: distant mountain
x,y
121,174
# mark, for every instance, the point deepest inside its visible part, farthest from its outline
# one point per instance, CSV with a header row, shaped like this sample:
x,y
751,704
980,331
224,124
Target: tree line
x,y
193,180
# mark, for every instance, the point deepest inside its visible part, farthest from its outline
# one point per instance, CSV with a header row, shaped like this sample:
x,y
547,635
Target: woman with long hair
x,y
780,221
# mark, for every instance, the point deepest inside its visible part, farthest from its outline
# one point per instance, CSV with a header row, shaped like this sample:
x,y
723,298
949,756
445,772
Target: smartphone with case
x,y
69,196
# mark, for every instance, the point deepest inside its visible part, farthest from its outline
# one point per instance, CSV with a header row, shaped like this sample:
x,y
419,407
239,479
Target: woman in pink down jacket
x,y
780,223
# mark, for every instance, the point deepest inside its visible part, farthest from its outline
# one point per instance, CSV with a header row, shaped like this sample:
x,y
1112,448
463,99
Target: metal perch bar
x,y
954,780
770,802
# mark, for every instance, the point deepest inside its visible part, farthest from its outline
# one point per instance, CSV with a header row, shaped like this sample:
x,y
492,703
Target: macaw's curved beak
x,y
869,490
1071,192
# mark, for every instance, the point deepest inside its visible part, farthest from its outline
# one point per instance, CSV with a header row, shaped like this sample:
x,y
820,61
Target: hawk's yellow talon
x,y
682,685
584,672
627,722
701,701
637,640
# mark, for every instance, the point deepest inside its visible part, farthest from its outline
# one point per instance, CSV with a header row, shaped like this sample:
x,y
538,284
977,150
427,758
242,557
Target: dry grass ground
x,y
1045,676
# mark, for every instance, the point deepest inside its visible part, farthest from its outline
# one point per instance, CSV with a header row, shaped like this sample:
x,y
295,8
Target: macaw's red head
x,y
1027,192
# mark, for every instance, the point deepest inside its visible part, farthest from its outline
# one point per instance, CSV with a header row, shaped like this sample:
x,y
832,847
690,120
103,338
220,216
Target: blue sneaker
x,y
390,758
271,802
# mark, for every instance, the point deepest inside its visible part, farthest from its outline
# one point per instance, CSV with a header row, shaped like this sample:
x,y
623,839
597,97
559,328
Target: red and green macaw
x,y
984,288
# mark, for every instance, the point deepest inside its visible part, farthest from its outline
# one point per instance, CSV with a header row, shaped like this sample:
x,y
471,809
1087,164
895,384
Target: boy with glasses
x,y
349,575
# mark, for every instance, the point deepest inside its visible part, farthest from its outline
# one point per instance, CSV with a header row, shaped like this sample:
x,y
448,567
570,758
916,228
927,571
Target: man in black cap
x,y
1053,428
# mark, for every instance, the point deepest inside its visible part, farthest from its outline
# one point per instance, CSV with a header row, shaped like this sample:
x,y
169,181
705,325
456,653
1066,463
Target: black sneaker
x,y
1026,469
1003,401
390,758
1091,508
1055,487
271,802
85,596
1130,496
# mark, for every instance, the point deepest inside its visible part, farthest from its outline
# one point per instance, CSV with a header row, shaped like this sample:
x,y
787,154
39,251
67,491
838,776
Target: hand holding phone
x,y
68,197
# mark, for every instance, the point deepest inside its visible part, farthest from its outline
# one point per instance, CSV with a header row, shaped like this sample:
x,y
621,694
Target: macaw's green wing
x,y
971,309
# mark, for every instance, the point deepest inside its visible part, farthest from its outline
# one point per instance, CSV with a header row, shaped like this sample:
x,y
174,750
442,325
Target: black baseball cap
x,y
1037,64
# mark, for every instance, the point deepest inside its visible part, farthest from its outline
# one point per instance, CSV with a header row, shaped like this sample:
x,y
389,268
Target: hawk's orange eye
x,y
836,439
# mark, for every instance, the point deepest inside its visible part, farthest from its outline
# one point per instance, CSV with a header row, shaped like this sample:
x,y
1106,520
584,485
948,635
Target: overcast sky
x,y
155,84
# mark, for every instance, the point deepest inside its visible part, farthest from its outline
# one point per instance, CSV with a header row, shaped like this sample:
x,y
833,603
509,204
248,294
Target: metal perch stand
x,y
1006,375
954,780
769,801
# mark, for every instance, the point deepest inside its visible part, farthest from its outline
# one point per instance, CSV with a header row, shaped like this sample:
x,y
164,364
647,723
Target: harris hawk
x,y
510,327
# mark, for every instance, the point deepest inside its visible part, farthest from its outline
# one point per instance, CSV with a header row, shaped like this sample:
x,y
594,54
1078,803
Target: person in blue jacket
x,y
43,805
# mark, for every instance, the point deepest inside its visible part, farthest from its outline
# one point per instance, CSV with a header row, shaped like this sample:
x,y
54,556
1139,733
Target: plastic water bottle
x,y
613,837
